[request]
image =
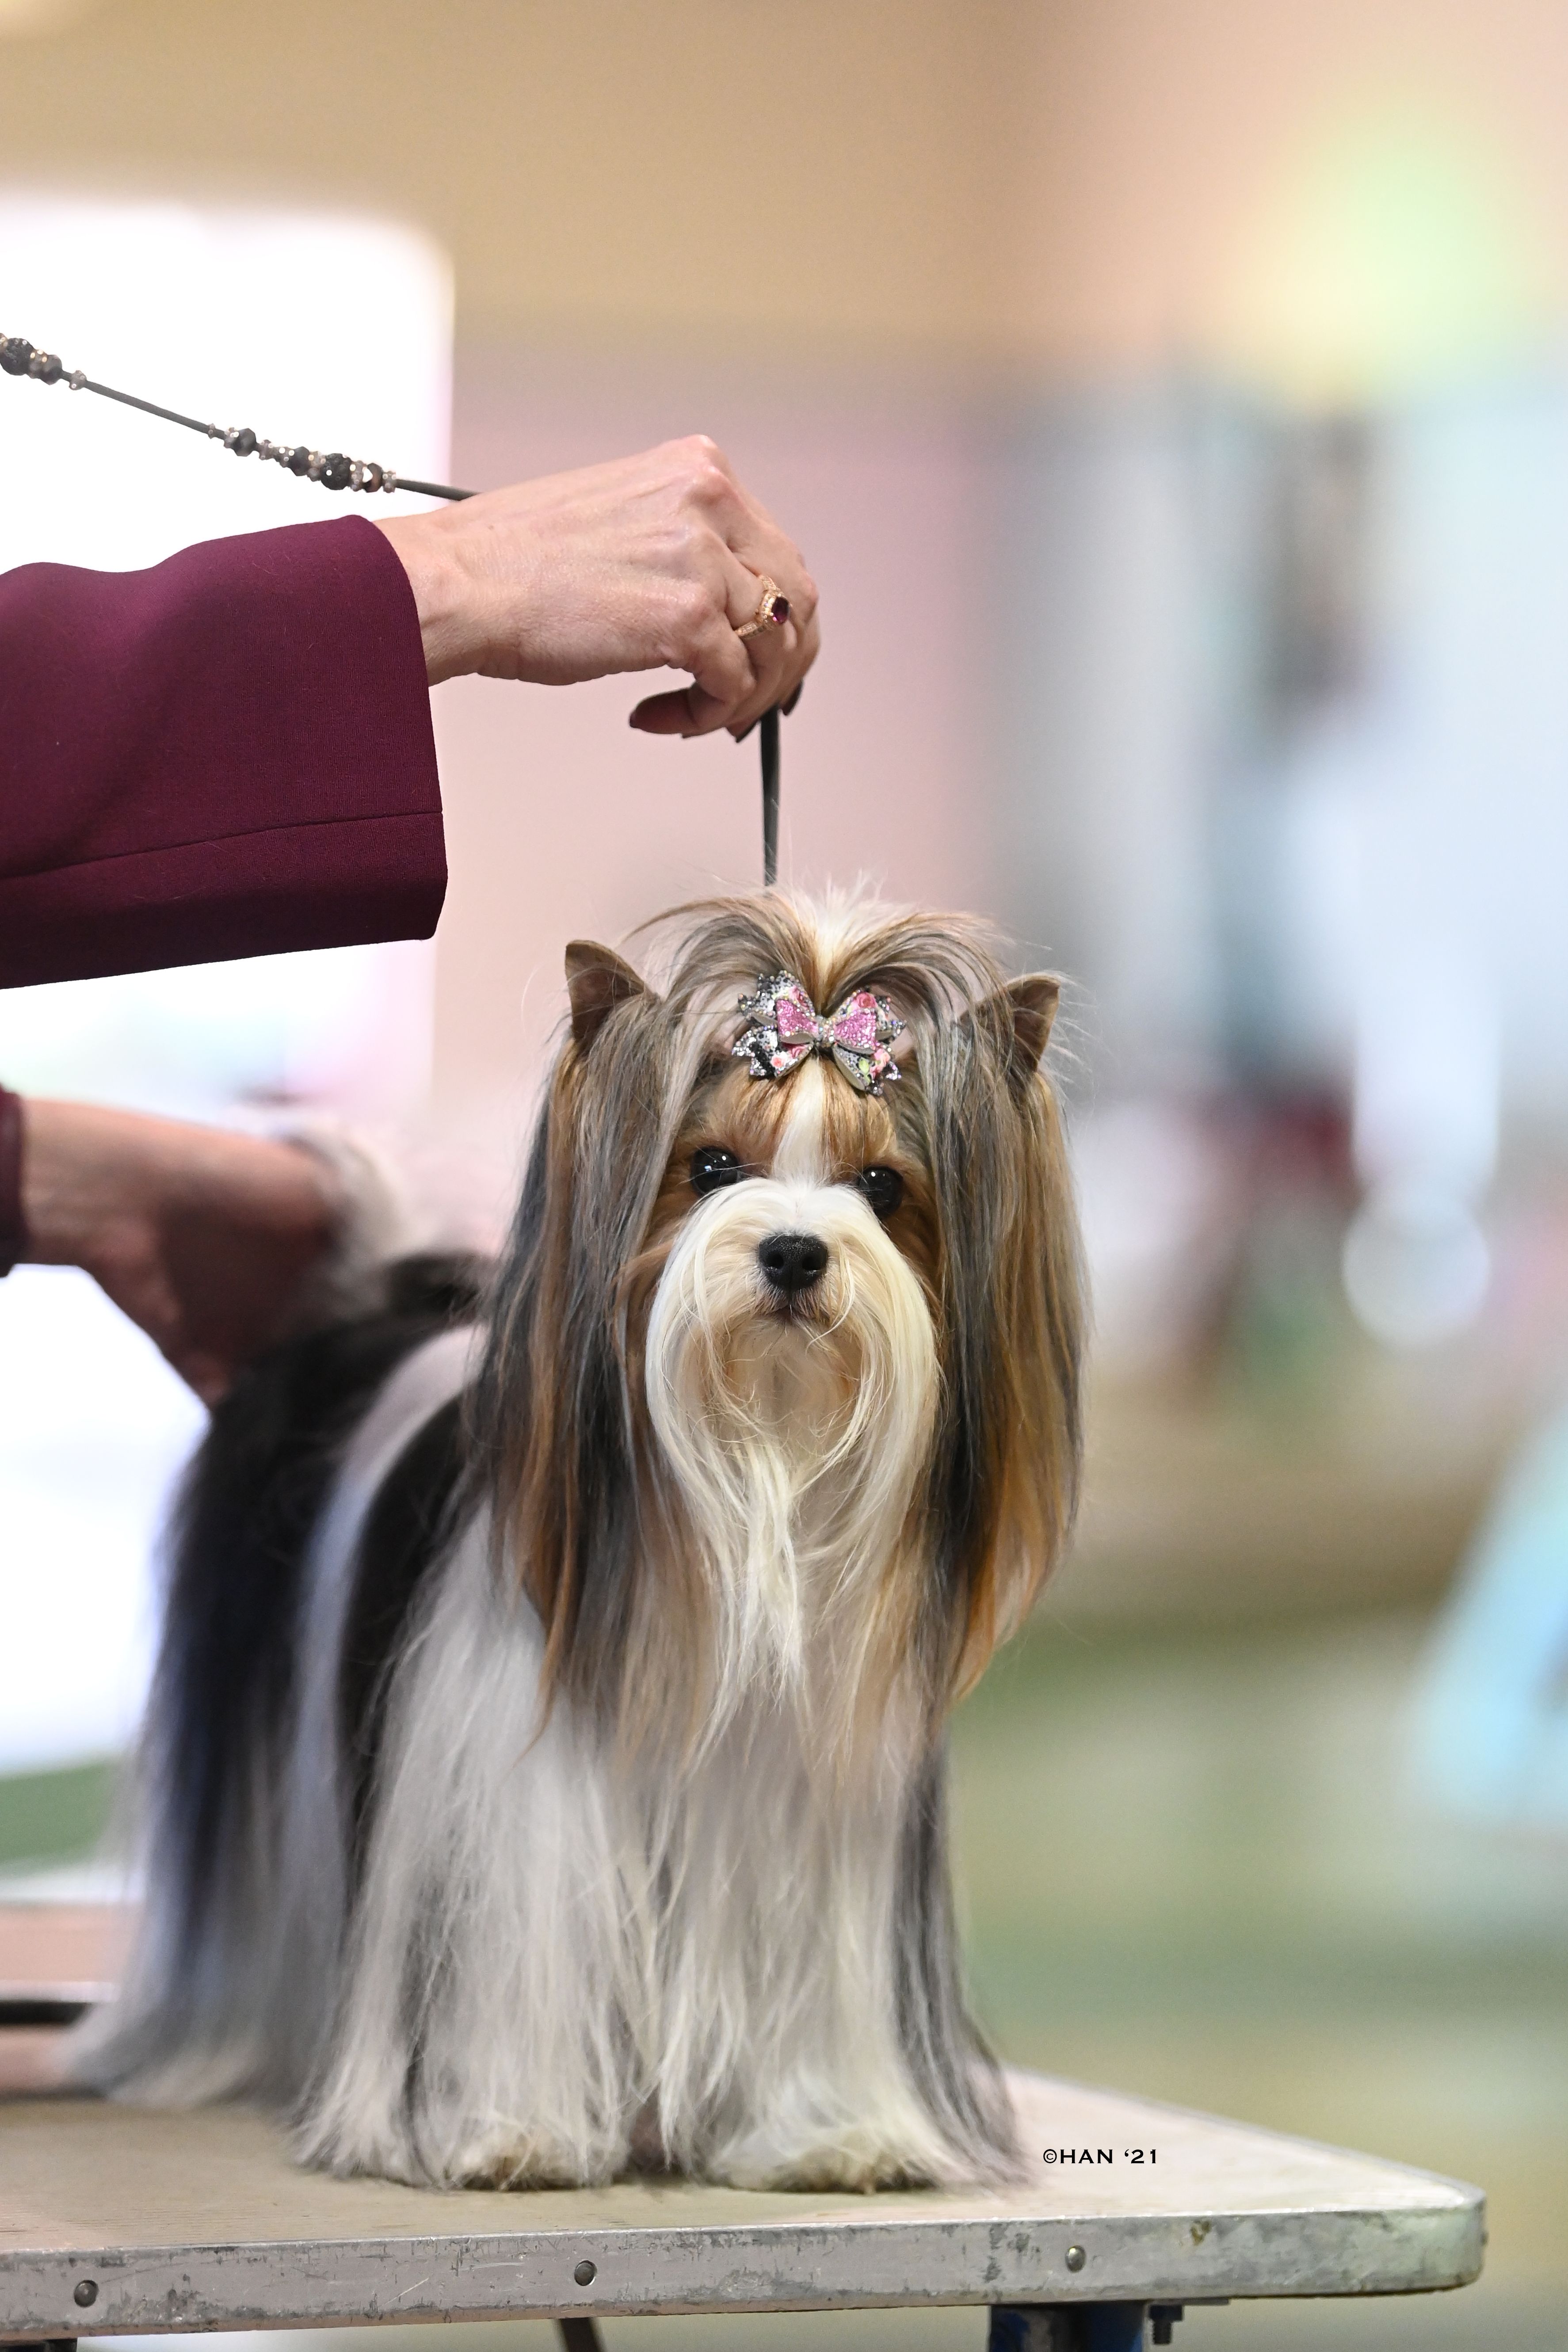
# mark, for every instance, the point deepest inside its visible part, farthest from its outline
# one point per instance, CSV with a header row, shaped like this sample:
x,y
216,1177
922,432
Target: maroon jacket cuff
x,y
230,754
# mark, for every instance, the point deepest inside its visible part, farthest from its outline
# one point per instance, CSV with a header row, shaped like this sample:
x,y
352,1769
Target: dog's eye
x,y
883,1187
713,1167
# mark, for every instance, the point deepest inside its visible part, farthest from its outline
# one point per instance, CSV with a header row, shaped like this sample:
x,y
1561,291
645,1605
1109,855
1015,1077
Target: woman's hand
x,y
203,1237
650,562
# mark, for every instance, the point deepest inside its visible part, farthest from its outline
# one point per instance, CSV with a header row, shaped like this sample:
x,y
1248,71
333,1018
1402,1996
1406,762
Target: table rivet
x,y
1075,2258
84,2292
584,2274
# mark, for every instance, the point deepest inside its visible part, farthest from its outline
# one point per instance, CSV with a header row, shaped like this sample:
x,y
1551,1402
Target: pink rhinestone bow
x,y
786,1027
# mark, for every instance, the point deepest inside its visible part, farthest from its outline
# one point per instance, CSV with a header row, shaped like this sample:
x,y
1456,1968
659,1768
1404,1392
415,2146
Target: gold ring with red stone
x,y
772,613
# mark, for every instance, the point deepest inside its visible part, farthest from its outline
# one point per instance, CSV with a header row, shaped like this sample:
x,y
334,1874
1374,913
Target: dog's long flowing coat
x,y
544,1767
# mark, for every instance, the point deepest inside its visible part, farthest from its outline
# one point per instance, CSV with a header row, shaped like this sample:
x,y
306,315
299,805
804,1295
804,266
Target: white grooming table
x,y
118,2221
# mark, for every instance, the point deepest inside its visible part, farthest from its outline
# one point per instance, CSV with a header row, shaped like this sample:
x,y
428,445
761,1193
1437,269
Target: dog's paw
x,y
854,2161
502,2157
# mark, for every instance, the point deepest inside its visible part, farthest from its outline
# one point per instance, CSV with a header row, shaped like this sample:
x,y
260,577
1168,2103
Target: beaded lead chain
x,y
333,472
336,472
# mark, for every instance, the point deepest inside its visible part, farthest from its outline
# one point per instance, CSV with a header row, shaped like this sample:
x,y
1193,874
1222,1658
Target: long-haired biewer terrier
x,y
545,1760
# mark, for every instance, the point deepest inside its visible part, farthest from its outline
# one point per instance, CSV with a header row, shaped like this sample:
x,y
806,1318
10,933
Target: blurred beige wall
x,y
1156,135
599,165
1057,183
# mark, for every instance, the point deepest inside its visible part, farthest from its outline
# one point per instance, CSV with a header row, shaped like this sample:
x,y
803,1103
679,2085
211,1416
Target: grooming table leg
x,y
580,2336
1069,2327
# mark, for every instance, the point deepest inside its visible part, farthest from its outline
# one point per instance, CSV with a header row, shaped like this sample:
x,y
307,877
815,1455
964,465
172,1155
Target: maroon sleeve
x,y
227,755
13,1225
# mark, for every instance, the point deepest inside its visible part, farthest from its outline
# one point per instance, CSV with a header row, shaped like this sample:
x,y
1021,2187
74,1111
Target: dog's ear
x,y
1024,1011
1033,997
597,980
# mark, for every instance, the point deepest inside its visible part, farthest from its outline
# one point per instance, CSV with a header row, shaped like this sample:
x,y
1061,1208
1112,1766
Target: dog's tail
x,y
197,2015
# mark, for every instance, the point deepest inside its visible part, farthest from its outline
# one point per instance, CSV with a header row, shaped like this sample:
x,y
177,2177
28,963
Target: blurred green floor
x,y
1189,1870
1192,1868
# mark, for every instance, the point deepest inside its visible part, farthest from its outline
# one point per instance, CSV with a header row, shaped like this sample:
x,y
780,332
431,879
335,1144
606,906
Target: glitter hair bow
x,y
787,1026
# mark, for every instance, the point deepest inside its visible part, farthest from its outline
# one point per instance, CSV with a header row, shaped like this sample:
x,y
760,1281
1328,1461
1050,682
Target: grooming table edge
x,y
202,2221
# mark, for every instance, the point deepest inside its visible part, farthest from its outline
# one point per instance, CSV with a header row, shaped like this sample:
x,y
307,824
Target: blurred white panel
x,y
93,1426
313,326
1105,686
1467,836
349,1027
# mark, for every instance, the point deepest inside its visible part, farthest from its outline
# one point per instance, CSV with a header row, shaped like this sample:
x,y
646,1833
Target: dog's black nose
x,y
793,1262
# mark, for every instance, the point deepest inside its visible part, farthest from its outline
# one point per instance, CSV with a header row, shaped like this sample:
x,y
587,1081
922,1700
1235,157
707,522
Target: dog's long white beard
x,y
795,1440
